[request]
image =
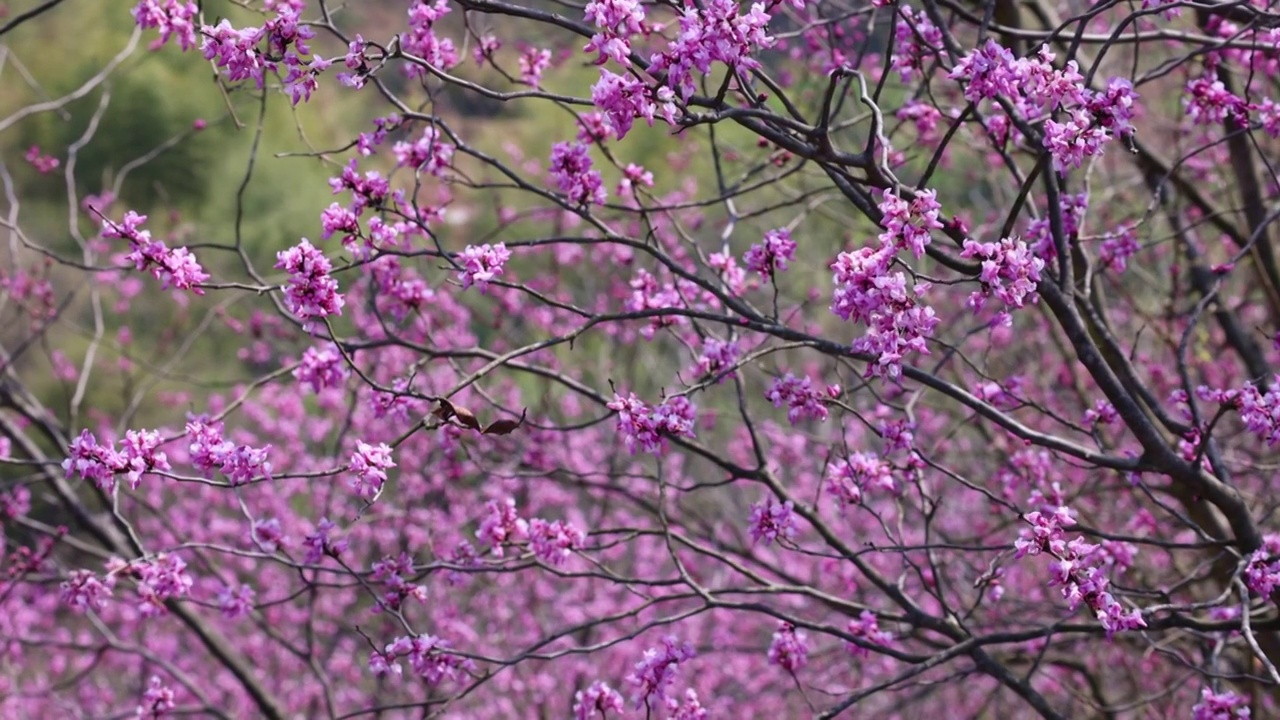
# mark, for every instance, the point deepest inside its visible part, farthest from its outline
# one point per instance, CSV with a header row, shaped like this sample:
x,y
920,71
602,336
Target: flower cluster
x,y
481,264
554,541
1009,271
321,368
1262,574
157,580
311,293
1226,705
429,657
238,51
616,21
915,38
804,402
771,256
772,521
100,464
422,42
321,543
394,573
633,177
171,17
1081,581
866,629
597,701
1037,90
533,62
717,357
715,31
235,602
367,191
157,700
83,591
502,526
646,428
44,164
655,673
1260,411
209,450
369,465
1208,102
869,291
788,650
623,98
571,170
429,153
173,268
847,479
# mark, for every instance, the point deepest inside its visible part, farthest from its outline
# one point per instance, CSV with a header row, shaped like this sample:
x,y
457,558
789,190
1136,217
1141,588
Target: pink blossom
x,y
311,292
773,254
482,264
171,17
771,521
654,674
789,649
368,466
572,172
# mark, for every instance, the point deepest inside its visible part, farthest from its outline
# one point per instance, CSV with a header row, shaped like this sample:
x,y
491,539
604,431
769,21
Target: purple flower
x,y
93,462
772,255
235,602
788,649
157,700
502,526
1227,705
174,268
847,479
597,702
1009,271
172,17
320,543
369,467
772,521
867,629
553,542
429,153
646,428
655,673
482,264
421,41
571,170
321,368
83,591
803,400
311,292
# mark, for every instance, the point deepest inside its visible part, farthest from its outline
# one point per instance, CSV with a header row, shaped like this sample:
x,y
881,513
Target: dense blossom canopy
x,y
830,358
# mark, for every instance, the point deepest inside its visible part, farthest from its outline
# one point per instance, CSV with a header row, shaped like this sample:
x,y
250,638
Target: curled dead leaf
x,y
505,426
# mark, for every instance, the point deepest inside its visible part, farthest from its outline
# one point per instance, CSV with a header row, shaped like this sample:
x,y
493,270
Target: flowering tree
x,y
924,370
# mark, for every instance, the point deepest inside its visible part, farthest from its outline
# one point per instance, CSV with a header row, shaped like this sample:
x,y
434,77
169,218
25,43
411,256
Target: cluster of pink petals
x,y
210,450
656,671
1073,569
481,264
772,255
175,268
173,18
311,293
1010,271
101,464
870,291
803,400
789,649
646,428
